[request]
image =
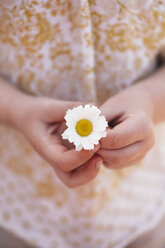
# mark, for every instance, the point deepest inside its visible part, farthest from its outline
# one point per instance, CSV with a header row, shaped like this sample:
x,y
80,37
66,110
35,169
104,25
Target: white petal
x,y
79,147
77,141
74,138
66,134
87,106
91,113
96,135
94,140
103,134
87,145
71,122
96,110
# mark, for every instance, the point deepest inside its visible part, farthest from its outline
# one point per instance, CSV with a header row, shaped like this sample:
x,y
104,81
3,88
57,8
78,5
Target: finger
x,y
58,155
137,161
81,175
55,110
122,157
129,131
133,162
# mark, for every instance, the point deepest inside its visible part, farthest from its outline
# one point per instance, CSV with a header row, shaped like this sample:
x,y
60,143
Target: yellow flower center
x,y
84,127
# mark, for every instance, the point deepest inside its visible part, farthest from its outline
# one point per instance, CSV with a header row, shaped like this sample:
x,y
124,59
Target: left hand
x,y
40,120
130,135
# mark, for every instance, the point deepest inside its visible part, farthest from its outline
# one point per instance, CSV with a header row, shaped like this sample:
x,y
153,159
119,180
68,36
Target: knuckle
x,y
124,160
116,160
110,165
116,141
119,161
113,166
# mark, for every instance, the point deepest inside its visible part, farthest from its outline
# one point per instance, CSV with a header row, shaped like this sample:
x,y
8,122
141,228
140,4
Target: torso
x,y
79,50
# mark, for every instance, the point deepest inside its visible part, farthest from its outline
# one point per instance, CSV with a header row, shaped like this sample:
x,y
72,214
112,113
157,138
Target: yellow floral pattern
x,y
92,49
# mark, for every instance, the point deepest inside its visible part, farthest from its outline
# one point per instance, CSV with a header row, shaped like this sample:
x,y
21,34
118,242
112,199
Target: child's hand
x,y
38,119
131,134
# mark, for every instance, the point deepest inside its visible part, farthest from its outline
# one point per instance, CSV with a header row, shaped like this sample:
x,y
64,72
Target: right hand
x,y
39,119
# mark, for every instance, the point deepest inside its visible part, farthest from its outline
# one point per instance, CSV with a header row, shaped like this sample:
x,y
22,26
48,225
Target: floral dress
x,y
79,50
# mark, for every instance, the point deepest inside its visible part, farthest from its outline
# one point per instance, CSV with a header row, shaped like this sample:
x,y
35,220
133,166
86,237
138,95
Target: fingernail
x,y
98,165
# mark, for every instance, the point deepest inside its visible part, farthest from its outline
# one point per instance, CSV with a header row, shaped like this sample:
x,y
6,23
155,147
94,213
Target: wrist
x,y
145,99
155,87
19,111
138,99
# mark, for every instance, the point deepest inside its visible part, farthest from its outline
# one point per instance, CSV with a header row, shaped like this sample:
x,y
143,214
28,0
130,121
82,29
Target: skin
x,y
131,115
132,136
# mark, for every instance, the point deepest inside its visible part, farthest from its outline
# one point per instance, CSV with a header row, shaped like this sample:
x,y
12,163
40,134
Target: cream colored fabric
x,y
151,239
79,50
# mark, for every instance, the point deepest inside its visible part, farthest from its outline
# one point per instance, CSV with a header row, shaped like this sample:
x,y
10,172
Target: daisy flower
x,y
85,126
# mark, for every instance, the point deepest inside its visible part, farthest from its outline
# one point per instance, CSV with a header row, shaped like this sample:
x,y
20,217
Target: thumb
x,y
112,110
56,110
128,131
